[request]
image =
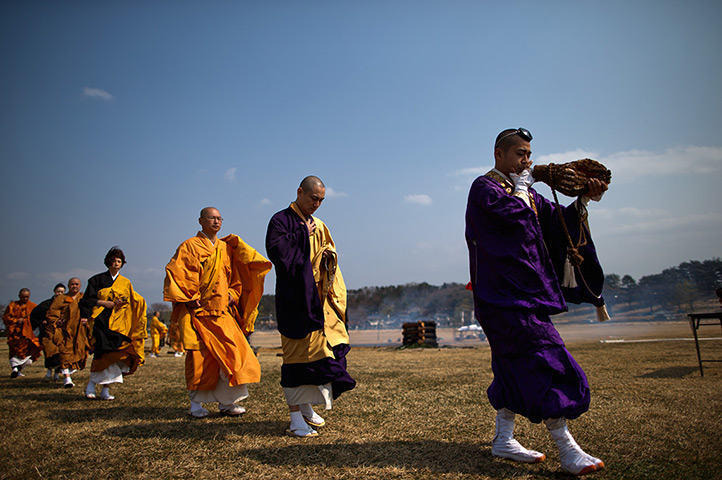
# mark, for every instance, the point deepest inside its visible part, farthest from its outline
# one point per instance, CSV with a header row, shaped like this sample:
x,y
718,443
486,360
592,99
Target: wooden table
x,y
696,321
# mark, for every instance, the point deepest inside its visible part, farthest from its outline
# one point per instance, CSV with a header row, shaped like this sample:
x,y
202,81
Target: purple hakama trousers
x,y
534,374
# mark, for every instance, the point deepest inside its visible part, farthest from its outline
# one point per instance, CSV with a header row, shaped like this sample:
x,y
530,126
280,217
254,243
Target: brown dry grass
x,y
414,414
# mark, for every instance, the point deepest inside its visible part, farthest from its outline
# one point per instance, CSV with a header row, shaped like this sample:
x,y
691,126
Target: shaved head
x,y
311,182
205,211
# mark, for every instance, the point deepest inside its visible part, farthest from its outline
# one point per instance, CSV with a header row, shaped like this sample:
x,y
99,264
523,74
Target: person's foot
x,y
105,394
198,413
307,432
178,354
68,383
49,374
513,450
15,373
153,355
232,411
312,418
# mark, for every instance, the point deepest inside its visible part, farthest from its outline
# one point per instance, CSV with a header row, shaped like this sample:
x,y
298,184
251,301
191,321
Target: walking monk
x,y
24,346
215,285
310,307
157,331
71,330
117,318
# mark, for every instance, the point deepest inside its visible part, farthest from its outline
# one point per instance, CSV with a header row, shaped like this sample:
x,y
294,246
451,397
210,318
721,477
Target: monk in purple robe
x,y
310,309
520,276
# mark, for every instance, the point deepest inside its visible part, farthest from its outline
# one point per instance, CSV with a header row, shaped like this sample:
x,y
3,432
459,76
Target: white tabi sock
x,y
90,389
505,446
574,460
311,416
299,425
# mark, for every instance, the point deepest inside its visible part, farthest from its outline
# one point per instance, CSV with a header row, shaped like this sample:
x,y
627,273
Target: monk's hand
x,y
327,257
596,189
311,225
230,300
106,303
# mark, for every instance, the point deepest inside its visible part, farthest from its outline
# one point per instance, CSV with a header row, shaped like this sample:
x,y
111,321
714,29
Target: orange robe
x,y
157,331
73,337
214,335
22,342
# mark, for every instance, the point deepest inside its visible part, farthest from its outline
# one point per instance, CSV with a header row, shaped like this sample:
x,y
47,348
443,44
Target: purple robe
x,y
298,306
516,257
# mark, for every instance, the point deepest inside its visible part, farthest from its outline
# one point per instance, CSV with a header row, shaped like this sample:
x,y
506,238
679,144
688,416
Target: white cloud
x,y
230,175
17,276
264,202
97,93
696,222
418,198
628,166
55,277
331,193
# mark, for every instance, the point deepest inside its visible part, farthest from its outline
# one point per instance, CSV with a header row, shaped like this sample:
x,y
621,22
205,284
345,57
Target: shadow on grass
x,y
671,372
210,428
436,456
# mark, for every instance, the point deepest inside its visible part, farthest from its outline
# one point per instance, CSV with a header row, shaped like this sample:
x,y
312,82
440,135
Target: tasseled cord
x,y
569,280
602,314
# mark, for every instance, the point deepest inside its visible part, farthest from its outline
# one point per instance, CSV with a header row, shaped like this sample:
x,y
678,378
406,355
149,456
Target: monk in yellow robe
x,y
310,309
117,317
215,285
157,331
174,334
24,346
71,330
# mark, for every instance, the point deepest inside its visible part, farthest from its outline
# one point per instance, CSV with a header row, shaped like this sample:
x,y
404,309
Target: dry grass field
x,y
415,414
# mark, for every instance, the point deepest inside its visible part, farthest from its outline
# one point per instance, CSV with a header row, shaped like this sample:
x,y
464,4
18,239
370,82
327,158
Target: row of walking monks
x,y
61,329
215,285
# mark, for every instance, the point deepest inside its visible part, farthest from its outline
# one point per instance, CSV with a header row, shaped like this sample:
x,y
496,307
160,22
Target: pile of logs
x,y
420,333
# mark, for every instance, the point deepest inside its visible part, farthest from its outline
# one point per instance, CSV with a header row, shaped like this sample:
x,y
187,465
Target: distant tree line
x,y
676,289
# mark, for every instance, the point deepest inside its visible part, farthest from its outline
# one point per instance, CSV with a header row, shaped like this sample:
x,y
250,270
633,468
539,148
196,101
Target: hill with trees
x,y
668,295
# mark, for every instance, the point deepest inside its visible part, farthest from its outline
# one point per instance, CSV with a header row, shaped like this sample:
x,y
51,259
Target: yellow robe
x,y
130,319
214,334
157,331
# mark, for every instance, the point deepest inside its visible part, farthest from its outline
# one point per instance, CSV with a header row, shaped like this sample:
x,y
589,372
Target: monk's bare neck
x,y
210,236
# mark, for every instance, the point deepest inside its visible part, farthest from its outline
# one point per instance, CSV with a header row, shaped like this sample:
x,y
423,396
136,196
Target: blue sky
x,y
121,120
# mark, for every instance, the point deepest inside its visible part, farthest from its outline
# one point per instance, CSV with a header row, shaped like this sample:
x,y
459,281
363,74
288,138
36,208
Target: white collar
x,y
212,242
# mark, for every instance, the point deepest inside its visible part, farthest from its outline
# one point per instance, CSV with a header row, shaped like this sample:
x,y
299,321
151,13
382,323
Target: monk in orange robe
x,y
158,330
72,331
215,285
24,346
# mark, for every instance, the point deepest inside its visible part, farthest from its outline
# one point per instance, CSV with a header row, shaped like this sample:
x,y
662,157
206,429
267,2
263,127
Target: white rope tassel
x,y
602,314
569,280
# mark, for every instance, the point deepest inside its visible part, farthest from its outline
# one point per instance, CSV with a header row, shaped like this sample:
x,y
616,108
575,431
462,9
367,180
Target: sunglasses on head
x,y
522,132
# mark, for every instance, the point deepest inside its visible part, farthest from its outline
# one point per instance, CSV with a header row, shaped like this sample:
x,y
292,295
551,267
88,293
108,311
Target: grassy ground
x,y
414,414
